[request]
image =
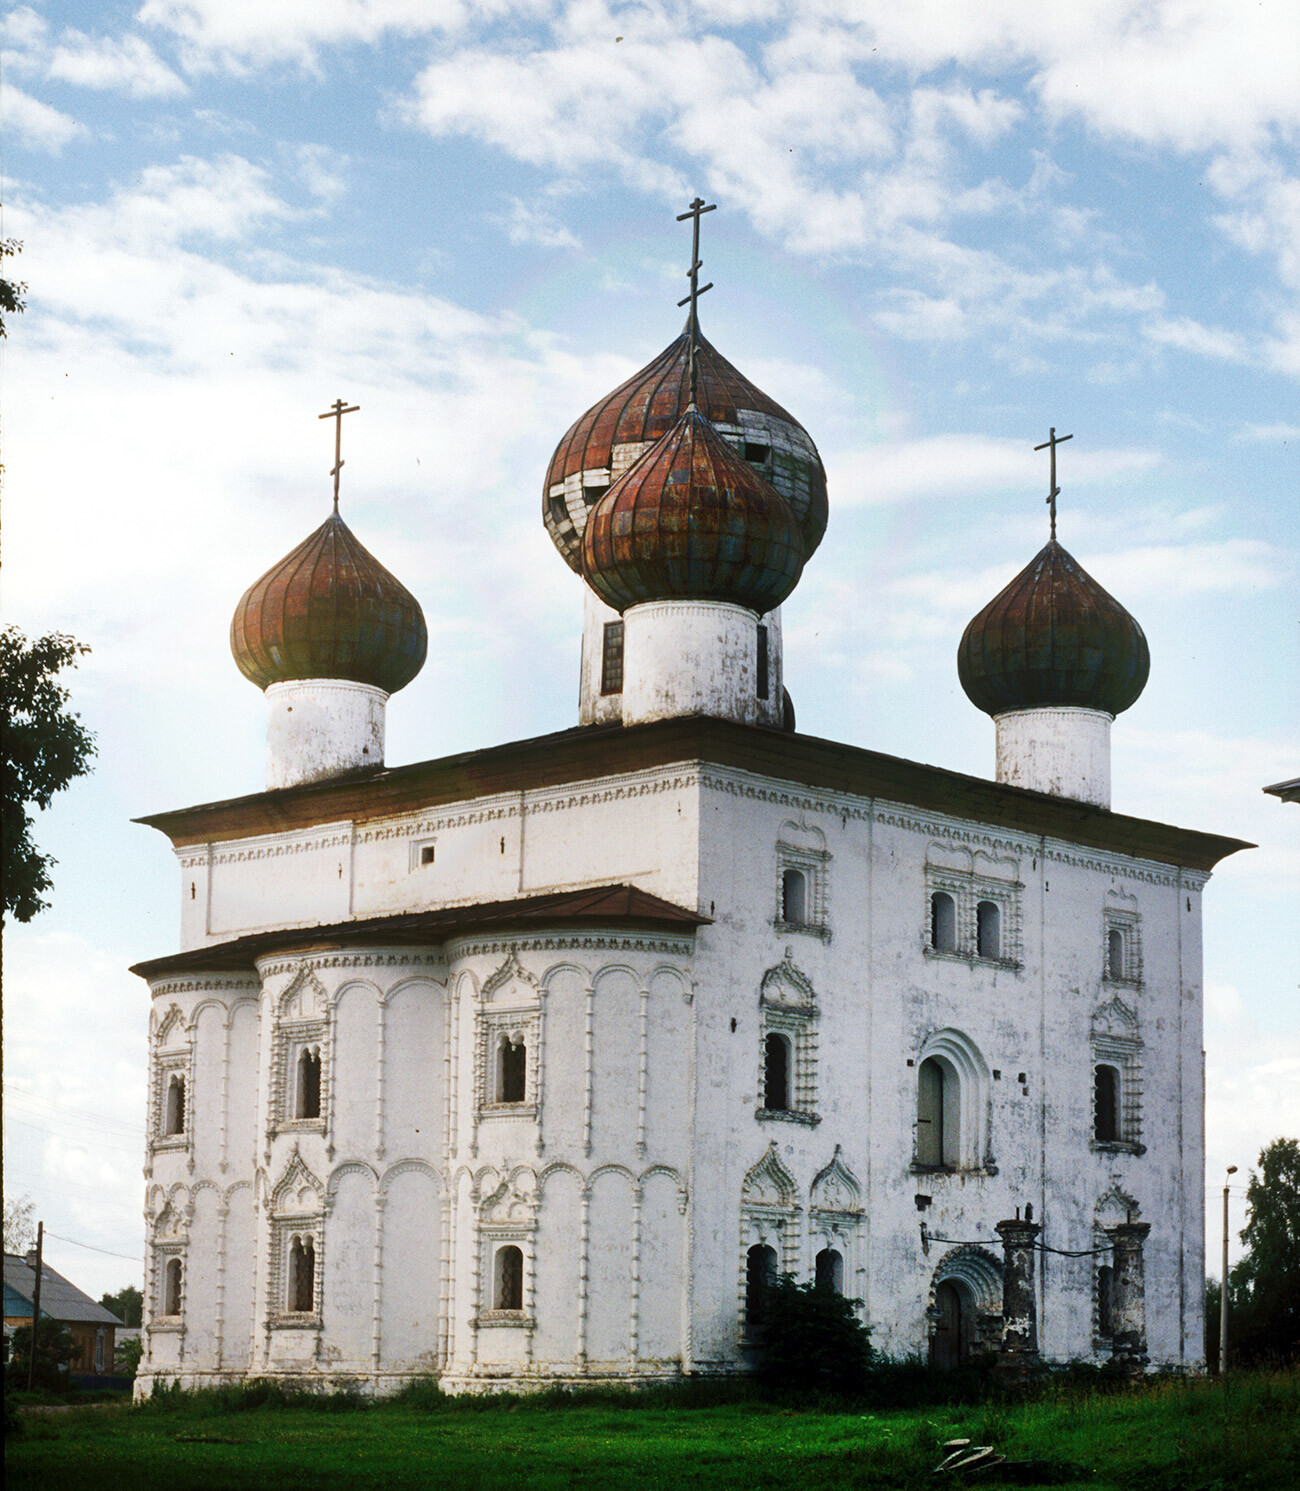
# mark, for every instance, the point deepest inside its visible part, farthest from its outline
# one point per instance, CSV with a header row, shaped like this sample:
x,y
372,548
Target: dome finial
x,y
1053,491
336,411
695,211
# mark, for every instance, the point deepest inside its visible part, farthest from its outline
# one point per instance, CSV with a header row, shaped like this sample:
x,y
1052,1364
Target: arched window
x,y
829,1270
512,1070
175,1115
943,922
760,1275
308,1095
988,929
776,1073
1105,1300
509,1282
938,1113
302,1276
794,898
1115,954
172,1287
1105,1104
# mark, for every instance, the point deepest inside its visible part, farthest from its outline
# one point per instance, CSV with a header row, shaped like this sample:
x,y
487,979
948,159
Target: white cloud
x,y
39,126
947,466
1281,432
1206,341
526,224
129,64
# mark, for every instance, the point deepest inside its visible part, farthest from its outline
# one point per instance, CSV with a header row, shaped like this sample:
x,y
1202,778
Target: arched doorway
x,y
950,1343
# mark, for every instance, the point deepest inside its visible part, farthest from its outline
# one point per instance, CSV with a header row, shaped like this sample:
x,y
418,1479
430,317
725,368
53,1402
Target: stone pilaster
x,y
1018,1357
1128,1351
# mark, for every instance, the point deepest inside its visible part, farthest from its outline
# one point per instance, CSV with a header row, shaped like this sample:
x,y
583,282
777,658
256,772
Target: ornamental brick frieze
x,y
217,983
273,966
634,942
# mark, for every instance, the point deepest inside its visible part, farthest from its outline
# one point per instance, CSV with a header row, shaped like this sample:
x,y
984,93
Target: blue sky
x,y
942,228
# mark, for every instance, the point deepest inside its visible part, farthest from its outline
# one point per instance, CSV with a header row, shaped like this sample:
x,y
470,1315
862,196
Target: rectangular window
x,y
762,663
611,661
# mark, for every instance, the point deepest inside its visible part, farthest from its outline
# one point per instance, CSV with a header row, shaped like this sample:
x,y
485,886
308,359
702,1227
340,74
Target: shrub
x,y
812,1340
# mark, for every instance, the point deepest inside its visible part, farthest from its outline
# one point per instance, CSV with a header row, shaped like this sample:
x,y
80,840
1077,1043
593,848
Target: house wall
x,y
642,1164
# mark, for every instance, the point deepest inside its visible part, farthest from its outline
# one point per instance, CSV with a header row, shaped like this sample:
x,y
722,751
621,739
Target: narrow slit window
x,y
776,1073
509,1291
762,669
309,1083
760,1275
302,1276
943,922
172,1287
829,1270
1105,1108
512,1070
611,659
174,1119
930,1136
1105,1301
1115,954
794,898
988,929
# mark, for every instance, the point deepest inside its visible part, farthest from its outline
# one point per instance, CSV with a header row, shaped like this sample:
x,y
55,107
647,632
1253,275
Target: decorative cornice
x,y
279,963
635,942
248,983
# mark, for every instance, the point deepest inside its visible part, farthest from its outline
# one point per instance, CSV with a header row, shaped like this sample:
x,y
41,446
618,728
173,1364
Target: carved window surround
x,y
787,1007
1128,924
1116,1042
968,889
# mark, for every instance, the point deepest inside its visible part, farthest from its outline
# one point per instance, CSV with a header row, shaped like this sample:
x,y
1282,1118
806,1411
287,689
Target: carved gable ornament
x,y
511,984
1114,1207
835,1189
804,839
769,1183
171,1029
297,1191
513,1203
786,985
1115,1019
304,999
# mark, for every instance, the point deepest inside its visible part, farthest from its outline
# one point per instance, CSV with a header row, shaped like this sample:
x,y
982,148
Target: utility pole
x,y
1223,1293
36,1304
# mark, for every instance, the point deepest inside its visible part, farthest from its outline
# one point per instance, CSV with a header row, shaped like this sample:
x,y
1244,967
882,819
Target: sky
x,y
942,229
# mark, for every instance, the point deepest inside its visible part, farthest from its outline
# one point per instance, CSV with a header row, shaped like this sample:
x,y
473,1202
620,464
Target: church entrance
x,y
951,1342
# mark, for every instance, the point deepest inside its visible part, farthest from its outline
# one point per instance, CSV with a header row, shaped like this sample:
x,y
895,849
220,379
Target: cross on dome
x,y
695,212
1053,490
336,411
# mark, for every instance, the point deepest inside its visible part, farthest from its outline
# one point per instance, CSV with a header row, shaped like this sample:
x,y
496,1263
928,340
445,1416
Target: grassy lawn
x,y
1163,1437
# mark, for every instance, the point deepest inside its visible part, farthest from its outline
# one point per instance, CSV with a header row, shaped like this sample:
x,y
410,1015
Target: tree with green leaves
x,y
1268,1276
127,1304
812,1339
11,291
43,747
55,1353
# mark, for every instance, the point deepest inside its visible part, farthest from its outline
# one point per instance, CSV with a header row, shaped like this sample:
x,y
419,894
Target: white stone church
x,y
537,1064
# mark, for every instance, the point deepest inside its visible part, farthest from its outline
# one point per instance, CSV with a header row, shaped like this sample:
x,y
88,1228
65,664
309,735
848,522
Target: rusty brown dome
x,y
614,433
329,610
692,520
1053,636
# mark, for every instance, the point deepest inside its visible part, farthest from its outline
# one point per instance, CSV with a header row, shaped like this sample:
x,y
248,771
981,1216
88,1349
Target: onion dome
x,y
612,434
329,610
691,520
1053,637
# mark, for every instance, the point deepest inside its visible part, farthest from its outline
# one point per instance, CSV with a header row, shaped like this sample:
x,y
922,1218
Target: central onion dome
x,y
691,520
329,610
1053,637
614,433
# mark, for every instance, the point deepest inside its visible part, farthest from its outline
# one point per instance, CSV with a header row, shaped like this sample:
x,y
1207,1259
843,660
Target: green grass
x,y
1164,1436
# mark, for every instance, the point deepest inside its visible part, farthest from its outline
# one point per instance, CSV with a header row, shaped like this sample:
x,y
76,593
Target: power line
x,y
75,1114
102,1143
130,1257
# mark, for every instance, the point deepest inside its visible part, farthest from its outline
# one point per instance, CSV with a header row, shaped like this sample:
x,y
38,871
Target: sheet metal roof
x,y
60,1298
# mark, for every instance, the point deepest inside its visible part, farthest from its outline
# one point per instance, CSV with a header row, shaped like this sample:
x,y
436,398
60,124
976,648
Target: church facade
x,y
537,1064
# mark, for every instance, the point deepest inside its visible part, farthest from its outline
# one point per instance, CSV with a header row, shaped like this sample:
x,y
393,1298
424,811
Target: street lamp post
x,y
1223,1292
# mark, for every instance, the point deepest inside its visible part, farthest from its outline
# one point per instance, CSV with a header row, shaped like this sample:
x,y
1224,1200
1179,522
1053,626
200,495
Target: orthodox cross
x,y
336,411
1054,491
695,212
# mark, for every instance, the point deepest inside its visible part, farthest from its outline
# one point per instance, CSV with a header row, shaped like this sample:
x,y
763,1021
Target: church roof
x,y
595,751
611,907
643,410
1053,636
692,521
329,609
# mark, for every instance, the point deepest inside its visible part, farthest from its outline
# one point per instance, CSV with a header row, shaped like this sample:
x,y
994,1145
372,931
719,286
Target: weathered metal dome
x,y
614,433
329,610
692,520
1053,636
